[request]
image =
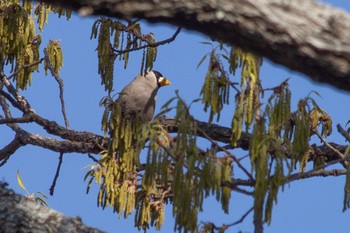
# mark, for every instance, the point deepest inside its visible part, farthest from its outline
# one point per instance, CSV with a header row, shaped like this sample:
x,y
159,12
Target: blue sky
x,y
311,205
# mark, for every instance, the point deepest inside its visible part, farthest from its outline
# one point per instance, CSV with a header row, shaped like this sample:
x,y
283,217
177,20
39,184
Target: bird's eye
x,y
160,79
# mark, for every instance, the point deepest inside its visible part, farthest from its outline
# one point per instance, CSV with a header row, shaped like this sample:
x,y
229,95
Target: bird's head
x,y
160,79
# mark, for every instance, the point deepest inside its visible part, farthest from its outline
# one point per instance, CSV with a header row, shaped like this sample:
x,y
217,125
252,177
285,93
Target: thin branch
x,y
237,182
93,158
343,132
242,218
52,188
226,226
228,153
24,67
243,191
166,41
22,103
61,87
341,155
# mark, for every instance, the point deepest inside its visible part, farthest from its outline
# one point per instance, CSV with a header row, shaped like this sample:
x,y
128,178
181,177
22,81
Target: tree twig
x,y
166,41
242,218
93,158
226,226
343,132
25,66
61,87
53,185
341,155
228,153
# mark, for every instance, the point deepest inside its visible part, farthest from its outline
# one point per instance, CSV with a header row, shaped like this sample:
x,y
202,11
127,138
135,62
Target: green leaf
x,y
41,201
205,42
314,92
42,194
20,182
316,105
202,60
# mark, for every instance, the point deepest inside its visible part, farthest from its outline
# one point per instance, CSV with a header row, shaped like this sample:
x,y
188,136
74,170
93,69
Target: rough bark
x,y
19,214
303,35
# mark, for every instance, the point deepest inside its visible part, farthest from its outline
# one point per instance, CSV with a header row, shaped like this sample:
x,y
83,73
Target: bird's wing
x,y
138,96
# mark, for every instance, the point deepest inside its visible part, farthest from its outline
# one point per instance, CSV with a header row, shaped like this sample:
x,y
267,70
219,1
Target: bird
x,y
139,96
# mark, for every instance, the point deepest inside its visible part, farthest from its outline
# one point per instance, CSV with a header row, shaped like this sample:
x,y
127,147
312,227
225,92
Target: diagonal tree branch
x,y
10,149
343,132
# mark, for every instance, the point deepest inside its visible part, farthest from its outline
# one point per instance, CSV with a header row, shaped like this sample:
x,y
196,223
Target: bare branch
x,y
10,149
57,145
242,218
22,103
61,87
337,152
52,188
315,173
343,132
163,42
214,131
25,119
223,134
226,226
24,67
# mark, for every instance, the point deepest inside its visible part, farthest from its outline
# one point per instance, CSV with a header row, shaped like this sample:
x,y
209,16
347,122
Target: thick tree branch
x,y
223,134
9,149
302,35
315,173
57,145
214,131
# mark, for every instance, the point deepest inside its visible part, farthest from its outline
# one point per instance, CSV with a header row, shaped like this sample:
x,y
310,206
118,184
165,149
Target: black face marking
x,y
158,76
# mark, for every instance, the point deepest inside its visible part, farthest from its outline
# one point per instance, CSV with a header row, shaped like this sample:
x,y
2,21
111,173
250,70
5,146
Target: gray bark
x,y
303,35
19,214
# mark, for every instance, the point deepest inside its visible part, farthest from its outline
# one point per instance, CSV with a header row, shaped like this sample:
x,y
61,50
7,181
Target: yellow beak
x,y
164,82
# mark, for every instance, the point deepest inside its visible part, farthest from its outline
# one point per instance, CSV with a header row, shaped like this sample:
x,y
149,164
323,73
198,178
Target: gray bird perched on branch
x,y
139,96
